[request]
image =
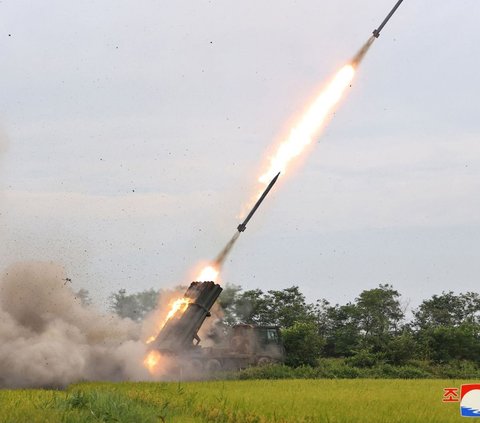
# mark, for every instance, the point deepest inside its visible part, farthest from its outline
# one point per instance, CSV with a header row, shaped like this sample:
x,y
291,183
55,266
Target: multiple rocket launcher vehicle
x,y
246,344
242,346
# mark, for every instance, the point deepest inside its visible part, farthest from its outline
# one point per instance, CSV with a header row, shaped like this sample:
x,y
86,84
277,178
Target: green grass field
x,y
256,401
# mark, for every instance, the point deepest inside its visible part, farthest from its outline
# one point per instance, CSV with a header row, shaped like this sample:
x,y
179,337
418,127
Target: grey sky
x,y
136,131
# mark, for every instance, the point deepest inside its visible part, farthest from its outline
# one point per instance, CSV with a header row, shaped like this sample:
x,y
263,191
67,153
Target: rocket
x,y
220,259
243,225
376,32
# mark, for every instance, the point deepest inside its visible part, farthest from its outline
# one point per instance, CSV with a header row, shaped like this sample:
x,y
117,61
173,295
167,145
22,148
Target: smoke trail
x,y
47,338
362,52
226,250
211,271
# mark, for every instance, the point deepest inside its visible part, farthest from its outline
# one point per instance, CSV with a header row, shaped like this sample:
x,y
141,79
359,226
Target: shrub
x,y
364,359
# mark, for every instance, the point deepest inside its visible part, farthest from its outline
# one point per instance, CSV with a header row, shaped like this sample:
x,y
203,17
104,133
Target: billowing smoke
x,y
47,338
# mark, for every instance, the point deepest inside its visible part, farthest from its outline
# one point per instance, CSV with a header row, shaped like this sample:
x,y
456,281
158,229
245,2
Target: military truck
x,y
243,345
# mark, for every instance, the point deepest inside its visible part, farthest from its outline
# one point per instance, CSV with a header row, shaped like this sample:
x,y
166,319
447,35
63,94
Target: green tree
x,y
281,308
379,315
341,328
448,309
447,343
134,306
251,308
303,344
287,307
367,325
448,327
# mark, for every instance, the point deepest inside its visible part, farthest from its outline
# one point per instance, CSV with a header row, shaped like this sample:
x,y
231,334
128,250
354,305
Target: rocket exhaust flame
x,y
177,306
209,273
310,124
152,361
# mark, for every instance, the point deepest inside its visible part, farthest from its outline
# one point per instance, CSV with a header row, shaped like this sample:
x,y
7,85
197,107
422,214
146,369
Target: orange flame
x,y
208,274
179,305
309,125
153,358
152,361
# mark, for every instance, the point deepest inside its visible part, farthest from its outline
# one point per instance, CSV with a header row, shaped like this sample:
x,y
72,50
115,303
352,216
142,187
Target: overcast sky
x,y
133,132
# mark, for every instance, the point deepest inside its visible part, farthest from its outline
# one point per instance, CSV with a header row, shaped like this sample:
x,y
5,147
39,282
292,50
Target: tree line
x,y
371,329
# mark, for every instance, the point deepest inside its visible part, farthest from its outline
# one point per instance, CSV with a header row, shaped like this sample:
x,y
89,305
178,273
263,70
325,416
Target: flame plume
x,y
177,306
152,361
313,120
309,125
208,274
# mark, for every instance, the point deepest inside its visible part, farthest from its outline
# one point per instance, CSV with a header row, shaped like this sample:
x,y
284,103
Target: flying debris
x,y
376,32
243,225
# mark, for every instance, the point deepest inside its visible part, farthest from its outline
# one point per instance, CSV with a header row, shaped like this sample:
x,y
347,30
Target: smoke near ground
x,y
47,338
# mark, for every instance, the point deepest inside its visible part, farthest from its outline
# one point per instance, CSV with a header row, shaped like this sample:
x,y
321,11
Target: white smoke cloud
x,y
47,338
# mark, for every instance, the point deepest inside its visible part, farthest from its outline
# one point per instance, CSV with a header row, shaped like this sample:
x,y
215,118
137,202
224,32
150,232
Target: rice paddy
x,y
252,401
